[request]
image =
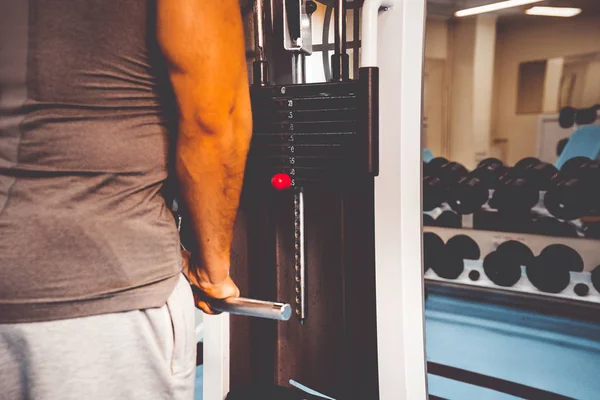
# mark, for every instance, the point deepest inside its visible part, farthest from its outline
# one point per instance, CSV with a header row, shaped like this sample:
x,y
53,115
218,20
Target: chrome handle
x,y
253,308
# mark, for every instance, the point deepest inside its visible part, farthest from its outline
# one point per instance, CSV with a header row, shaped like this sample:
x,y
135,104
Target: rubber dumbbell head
x,y
592,230
566,117
519,252
488,161
437,257
468,195
581,289
433,250
572,165
450,267
428,220
464,247
596,278
526,162
547,279
560,146
553,227
515,195
586,116
563,256
436,163
567,199
502,269
449,219
434,192
550,271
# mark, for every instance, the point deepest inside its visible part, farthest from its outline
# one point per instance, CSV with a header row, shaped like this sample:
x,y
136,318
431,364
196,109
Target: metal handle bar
x,y
253,308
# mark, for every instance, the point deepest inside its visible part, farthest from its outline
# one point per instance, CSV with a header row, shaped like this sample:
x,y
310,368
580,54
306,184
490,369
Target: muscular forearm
x,y
210,167
203,44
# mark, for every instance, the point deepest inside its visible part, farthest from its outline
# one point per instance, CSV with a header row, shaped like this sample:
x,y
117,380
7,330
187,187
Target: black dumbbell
x,y
449,171
519,191
449,219
436,163
541,174
515,195
569,116
503,266
428,220
550,270
587,116
458,248
566,117
472,191
592,230
464,247
525,163
553,227
434,251
560,146
581,289
439,174
576,191
596,278
571,167
434,192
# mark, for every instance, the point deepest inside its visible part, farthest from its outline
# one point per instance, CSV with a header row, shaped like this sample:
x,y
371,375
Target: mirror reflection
x,y
511,199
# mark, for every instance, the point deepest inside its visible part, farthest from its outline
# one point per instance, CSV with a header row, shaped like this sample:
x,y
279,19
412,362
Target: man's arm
x,y
203,43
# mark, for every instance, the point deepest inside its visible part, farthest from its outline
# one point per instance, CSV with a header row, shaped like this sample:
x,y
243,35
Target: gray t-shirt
x,y
84,145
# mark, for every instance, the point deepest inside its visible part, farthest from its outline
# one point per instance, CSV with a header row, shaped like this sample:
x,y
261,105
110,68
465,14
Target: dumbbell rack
x,y
488,241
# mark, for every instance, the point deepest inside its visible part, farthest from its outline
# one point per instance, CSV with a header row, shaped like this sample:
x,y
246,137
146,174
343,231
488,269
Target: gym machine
x,y
328,217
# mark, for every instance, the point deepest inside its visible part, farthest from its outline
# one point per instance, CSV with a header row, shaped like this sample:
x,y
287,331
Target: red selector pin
x,y
281,181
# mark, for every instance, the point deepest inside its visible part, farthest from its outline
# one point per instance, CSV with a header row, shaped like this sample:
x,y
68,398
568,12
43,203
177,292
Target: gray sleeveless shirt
x,y
84,144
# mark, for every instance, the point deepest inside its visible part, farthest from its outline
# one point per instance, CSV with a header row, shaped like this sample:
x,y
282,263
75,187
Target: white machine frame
x,y
398,28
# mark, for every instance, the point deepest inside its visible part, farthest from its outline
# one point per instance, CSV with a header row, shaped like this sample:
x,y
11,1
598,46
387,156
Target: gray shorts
x,y
147,354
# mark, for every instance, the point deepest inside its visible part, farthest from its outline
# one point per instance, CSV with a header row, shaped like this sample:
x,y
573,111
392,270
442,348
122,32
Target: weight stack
x,y
335,350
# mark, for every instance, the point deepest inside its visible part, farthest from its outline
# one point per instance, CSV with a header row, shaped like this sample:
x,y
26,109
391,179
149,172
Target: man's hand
x,y
203,289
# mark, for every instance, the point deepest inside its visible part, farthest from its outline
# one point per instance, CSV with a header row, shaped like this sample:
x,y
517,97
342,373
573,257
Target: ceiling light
x,y
494,7
554,11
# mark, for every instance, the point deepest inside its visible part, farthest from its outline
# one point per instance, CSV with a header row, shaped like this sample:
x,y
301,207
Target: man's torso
x,y
84,139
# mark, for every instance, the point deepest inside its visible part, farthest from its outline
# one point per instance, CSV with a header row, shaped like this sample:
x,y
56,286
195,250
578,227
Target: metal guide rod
x,y
253,308
299,255
340,59
260,65
299,67
340,27
259,30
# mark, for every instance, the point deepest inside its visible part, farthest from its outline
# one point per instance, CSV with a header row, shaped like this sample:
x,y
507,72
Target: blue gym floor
x,y
198,395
